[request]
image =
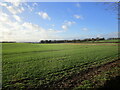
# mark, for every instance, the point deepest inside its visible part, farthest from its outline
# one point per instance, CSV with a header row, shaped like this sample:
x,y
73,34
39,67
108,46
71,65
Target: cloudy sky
x,y
35,21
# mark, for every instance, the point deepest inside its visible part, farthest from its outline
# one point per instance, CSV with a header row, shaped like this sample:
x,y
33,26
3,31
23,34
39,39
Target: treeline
x,y
8,42
72,41
113,39
66,41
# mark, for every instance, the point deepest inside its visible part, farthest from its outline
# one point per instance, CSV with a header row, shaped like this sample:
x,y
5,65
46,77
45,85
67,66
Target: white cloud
x,y
78,5
4,17
65,27
44,15
14,8
29,7
55,31
3,4
22,9
53,25
100,35
85,29
35,4
15,3
17,18
111,35
24,31
67,24
78,16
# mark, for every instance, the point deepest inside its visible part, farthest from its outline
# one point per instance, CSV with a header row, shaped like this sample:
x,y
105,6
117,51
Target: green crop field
x,y
106,41
117,40
27,65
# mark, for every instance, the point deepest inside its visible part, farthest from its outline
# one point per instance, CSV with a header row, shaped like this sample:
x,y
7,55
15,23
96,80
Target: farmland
x,y
28,65
107,41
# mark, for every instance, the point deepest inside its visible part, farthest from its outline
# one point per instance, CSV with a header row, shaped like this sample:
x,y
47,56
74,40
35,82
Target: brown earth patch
x,y
76,79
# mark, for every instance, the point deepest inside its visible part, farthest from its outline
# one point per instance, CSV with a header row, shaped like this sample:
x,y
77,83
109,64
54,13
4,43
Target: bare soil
x,y
76,79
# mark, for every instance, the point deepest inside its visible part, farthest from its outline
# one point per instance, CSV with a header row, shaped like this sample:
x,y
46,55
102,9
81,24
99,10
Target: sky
x,y
35,21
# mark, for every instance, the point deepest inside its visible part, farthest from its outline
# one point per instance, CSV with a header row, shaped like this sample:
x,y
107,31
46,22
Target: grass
x,y
33,65
85,84
117,40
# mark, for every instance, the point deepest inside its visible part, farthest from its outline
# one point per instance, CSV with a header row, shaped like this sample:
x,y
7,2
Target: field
x,y
28,65
106,41
117,40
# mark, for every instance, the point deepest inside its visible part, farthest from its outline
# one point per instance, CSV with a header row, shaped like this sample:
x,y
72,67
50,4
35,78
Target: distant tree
x,y
93,39
74,41
42,41
46,41
65,41
97,39
54,41
102,39
49,41
78,40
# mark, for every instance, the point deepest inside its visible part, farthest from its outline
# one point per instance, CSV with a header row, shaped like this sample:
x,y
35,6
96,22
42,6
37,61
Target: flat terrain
x,y
106,41
27,65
